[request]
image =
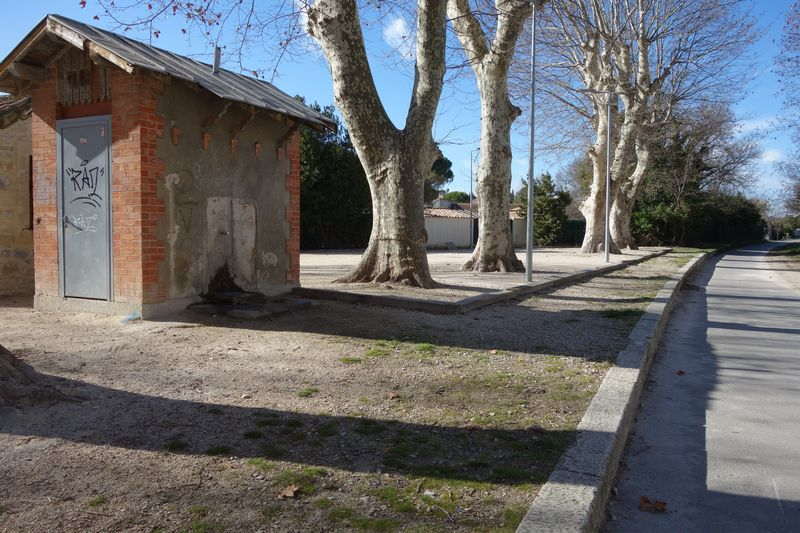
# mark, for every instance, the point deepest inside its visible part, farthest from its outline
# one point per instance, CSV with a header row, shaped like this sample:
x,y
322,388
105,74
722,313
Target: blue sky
x,y
306,73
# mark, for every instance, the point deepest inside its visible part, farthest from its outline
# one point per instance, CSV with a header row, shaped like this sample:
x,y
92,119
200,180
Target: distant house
x,y
16,217
449,227
156,178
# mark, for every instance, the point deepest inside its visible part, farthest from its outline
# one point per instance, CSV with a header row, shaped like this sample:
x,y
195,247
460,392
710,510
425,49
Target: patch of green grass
x,y
273,451
791,250
399,501
323,503
503,474
351,360
369,427
261,464
200,511
376,352
308,392
621,314
425,348
97,501
511,517
294,423
305,479
341,513
328,429
175,445
352,518
203,526
252,434
270,512
218,450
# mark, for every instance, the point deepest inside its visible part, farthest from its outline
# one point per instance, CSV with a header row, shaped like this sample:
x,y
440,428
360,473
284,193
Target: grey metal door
x,y
84,174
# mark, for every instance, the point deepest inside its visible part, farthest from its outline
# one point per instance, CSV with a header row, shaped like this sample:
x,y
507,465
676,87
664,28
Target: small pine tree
x,y
549,209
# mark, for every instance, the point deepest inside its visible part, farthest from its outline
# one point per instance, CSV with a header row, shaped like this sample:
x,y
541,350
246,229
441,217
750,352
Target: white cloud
x,y
399,36
772,156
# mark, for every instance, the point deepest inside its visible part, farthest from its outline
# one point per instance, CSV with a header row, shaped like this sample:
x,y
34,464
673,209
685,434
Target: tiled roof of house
x,y
438,212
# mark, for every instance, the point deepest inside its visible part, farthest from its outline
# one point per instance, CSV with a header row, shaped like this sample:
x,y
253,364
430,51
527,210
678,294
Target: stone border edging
x,y
471,303
576,493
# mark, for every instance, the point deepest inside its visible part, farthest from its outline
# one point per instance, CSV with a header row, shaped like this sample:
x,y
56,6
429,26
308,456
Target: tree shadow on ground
x,y
118,418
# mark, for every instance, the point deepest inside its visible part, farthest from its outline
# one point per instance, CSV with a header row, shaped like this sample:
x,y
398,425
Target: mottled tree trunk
x,y
625,197
394,160
620,222
593,207
494,250
396,249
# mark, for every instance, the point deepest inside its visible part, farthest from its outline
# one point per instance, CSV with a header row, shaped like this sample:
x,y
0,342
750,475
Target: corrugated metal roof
x,y
224,83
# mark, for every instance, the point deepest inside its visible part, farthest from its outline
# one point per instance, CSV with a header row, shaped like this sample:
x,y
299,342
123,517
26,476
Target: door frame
x,y
60,124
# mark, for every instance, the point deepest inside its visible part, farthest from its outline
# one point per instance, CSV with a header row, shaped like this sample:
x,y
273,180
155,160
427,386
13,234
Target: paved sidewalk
x,y
318,270
718,435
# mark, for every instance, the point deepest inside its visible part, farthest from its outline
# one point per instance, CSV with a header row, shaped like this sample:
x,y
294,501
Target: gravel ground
x,y
319,270
331,418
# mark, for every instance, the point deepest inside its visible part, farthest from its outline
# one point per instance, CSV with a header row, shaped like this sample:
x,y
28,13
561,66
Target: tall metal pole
x,y
471,219
607,238
529,214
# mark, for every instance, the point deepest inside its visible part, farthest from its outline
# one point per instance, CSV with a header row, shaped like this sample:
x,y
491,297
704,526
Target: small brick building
x,y
153,174
16,221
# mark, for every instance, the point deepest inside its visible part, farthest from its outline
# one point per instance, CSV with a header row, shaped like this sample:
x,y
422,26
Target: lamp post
x,y
606,236
537,5
471,179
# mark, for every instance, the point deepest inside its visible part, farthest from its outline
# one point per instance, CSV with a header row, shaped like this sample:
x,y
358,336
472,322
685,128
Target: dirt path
x,y
332,418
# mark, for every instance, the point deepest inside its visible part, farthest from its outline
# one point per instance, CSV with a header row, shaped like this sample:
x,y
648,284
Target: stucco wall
x,y
16,235
442,231
225,192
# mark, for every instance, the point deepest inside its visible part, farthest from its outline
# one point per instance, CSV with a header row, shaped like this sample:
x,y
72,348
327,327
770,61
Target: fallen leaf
x,y
289,492
654,506
680,372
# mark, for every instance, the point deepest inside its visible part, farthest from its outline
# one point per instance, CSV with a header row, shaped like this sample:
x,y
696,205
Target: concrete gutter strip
x,y
575,496
473,302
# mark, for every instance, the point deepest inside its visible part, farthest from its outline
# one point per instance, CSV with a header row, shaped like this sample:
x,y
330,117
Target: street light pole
x,y
537,4
471,218
608,175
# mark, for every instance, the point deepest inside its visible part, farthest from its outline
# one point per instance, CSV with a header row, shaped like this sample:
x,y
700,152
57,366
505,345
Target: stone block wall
x,y
16,234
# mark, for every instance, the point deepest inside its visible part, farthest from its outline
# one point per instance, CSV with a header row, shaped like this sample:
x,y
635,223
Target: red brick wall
x,y
135,171
135,127
293,209
45,228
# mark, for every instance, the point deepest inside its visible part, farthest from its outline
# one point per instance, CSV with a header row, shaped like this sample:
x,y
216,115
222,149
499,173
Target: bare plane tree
x,y
647,56
490,60
396,161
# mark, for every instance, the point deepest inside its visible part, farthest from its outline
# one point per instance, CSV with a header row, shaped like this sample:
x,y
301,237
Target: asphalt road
x,y
718,434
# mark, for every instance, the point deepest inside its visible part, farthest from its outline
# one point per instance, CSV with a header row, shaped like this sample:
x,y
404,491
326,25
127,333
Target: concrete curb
x,y
473,302
576,493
